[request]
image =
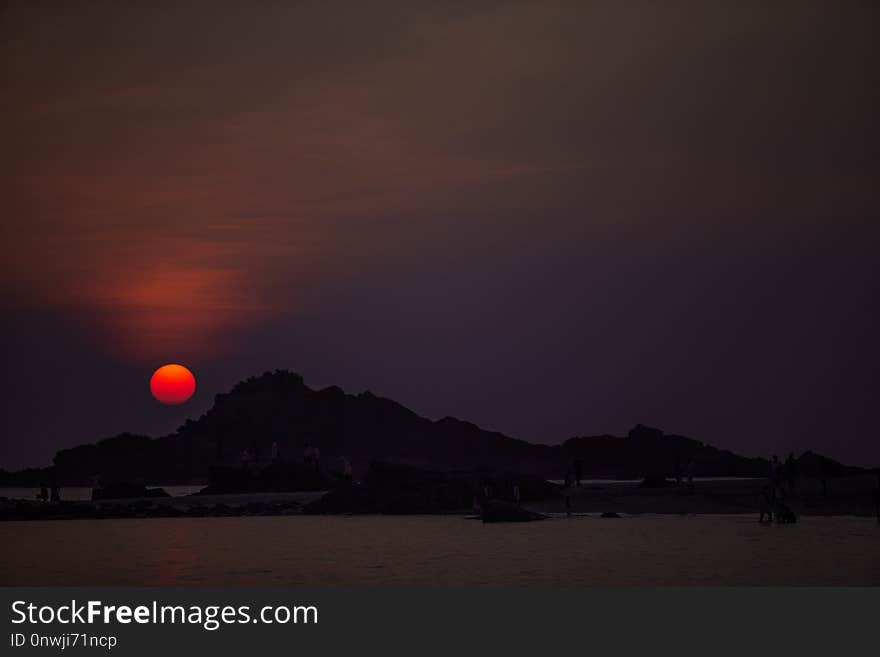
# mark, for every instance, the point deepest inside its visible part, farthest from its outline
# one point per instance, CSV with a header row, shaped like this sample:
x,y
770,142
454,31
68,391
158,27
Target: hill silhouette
x,y
278,407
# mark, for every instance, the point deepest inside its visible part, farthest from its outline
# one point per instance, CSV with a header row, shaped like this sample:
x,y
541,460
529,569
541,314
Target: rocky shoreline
x,y
406,491
190,506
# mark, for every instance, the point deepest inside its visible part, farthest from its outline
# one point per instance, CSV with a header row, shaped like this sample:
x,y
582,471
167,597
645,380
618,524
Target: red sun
x,y
172,384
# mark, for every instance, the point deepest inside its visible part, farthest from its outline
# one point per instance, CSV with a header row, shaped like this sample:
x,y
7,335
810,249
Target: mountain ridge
x,y
278,407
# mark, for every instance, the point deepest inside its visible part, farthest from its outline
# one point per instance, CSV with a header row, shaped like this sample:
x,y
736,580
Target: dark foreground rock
x,y
275,478
394,489
141,508
399,489
124,491
655,481
501,511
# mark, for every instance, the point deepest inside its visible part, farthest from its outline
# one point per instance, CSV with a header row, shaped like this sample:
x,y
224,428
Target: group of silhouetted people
x,y
312,456
781,485
312,459
248,459
488,492
679,473
51,493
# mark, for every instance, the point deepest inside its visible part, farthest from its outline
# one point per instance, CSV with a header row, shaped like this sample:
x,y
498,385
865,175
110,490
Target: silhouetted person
x,y
790,472
776,471
775,476
275,456
516,495
578,470
766,504
346,470
568,478
781,511
308,454
44,492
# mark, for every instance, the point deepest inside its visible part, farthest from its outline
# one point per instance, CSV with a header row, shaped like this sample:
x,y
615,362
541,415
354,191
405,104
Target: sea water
x,y
440,551
84,493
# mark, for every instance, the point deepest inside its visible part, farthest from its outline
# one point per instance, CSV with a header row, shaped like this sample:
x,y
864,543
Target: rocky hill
x,y
278,407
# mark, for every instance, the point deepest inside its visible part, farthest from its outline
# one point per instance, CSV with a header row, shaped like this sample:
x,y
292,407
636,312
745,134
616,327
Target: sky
x,y
548,218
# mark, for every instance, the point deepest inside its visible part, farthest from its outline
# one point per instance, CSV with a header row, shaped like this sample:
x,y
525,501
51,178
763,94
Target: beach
x,y
658,536
359,551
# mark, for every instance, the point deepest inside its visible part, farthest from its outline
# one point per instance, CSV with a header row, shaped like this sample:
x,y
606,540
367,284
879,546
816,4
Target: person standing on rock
x,y
790,472
766,504
776,471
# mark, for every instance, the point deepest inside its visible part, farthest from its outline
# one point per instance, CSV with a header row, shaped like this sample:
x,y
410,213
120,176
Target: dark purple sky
x,y
548,218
